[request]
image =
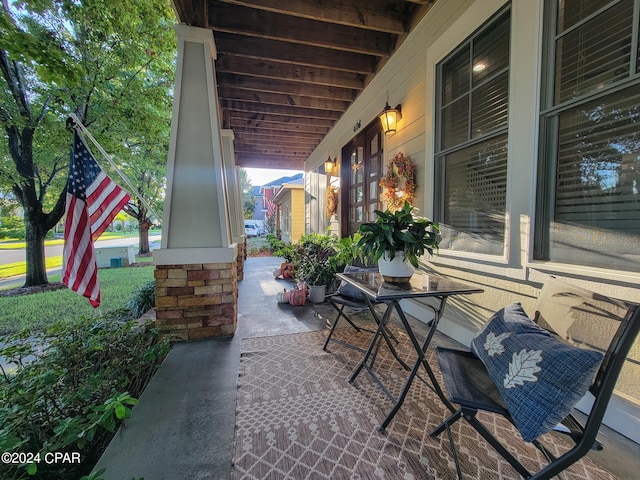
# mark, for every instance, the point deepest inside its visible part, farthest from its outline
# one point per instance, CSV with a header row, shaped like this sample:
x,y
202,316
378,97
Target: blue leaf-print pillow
x,y
540,377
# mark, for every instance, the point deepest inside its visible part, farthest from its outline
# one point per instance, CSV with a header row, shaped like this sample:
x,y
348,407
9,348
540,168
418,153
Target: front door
x,y
362,171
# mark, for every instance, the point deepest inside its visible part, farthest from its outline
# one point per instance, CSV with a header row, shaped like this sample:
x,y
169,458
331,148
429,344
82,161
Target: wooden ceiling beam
x,y
304,55
270,150
264,135
284,86
232,93
288,149
287,121
279,70
373,15
269,161
191,12
279,110
310,131
276,26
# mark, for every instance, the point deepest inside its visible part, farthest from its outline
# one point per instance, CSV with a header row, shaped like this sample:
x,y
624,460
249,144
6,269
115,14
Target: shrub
x,y
81,383
144,298
12,227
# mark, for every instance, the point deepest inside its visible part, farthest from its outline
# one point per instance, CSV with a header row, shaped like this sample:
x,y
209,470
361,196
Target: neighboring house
x,y
289,202
522,121
259,211
264,195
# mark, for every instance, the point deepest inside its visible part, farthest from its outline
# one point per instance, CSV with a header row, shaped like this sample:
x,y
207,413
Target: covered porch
x,y
261,84
184,425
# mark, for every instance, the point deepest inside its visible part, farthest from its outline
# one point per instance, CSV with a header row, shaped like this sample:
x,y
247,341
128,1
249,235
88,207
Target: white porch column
x,y
232,179
196,274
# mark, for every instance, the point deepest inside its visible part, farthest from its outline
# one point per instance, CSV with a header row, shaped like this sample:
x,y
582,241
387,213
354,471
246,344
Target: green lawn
x,y
19,268
14,244
42,309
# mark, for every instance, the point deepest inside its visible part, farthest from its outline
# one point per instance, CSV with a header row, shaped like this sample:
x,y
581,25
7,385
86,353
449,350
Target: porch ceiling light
x,y
389,118
330,165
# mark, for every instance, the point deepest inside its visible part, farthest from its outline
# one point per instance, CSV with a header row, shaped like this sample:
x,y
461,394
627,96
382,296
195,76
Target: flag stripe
x,y
93,200
104,199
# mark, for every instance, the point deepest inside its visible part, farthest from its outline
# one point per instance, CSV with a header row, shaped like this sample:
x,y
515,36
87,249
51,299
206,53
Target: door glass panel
x,y
373,190
372,208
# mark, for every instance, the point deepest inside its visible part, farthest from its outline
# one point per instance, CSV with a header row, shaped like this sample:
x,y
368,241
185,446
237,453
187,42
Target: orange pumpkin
x,y
298,297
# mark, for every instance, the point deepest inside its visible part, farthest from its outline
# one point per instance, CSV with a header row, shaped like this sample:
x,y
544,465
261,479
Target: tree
x,y
248,197
108,61
148,177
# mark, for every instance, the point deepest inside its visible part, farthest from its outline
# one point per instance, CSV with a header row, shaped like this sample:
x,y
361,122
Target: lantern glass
x,y
389,119
329,165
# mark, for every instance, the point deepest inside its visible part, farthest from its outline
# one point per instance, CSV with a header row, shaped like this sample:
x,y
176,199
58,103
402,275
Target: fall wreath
x,y
332,201
399,182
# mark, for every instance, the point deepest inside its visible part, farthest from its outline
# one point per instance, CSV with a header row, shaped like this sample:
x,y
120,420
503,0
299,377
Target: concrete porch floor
x,y
183,426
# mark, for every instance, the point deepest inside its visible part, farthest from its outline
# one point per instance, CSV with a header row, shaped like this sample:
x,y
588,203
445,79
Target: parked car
x,y
251,230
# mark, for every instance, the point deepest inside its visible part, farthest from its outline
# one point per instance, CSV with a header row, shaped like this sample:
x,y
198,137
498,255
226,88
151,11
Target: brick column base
x,y
196,300
240,258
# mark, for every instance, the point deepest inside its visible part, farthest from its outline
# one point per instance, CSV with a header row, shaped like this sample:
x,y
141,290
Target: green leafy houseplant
x,y
398,231
319,257
312,257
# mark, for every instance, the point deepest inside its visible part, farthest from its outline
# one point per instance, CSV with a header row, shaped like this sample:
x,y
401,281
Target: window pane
x,y
359,214
595,54
597,206
489,106
570,13
491,51
373,190
475,198
455,123
455,76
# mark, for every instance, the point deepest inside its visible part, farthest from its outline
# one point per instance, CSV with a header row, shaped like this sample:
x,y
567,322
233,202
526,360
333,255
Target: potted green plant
x,y
396,240
313,259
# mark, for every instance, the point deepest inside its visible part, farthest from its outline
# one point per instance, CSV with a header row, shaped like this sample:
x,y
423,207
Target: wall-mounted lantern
x,y
330,165
389,119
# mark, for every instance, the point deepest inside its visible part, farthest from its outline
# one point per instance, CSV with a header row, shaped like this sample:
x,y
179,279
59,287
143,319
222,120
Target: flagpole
x,y
78,124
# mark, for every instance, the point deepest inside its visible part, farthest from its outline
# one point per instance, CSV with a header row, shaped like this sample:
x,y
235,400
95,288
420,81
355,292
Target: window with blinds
x,y
589,196
471,146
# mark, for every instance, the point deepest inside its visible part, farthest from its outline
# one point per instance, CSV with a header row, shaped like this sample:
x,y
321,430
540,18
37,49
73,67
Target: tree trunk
x,y
35,257
143,228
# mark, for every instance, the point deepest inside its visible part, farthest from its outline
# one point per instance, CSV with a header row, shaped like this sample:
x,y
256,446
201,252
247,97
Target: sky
x,y
262,176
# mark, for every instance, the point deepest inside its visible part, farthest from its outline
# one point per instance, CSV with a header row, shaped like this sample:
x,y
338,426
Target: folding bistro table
x,y
423,285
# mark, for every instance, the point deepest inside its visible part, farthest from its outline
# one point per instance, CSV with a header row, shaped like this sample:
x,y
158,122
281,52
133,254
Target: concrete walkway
x,y
183,426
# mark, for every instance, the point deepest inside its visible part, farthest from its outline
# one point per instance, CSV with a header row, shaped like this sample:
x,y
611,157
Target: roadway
x,y
17,255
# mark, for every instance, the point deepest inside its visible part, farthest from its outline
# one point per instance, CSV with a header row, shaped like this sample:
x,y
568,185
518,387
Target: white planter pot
x,y
396,270
317,293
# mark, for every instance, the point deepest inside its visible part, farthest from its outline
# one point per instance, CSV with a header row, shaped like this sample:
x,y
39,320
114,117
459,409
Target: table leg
x,y
375,341
420,350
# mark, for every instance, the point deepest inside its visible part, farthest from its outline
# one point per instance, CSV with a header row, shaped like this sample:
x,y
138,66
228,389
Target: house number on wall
x,y
356,126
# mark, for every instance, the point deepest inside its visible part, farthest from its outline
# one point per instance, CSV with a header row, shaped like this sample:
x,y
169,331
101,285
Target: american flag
x,y
271,207
93,199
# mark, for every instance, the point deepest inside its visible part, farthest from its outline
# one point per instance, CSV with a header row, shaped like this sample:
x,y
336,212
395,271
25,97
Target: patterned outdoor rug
x,y
298,418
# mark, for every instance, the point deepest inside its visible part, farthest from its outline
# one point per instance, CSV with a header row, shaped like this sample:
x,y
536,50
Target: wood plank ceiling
x,y
288,69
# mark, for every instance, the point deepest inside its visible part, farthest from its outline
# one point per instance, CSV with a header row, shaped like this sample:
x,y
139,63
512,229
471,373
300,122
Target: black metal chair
x,y
349,297
572,314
